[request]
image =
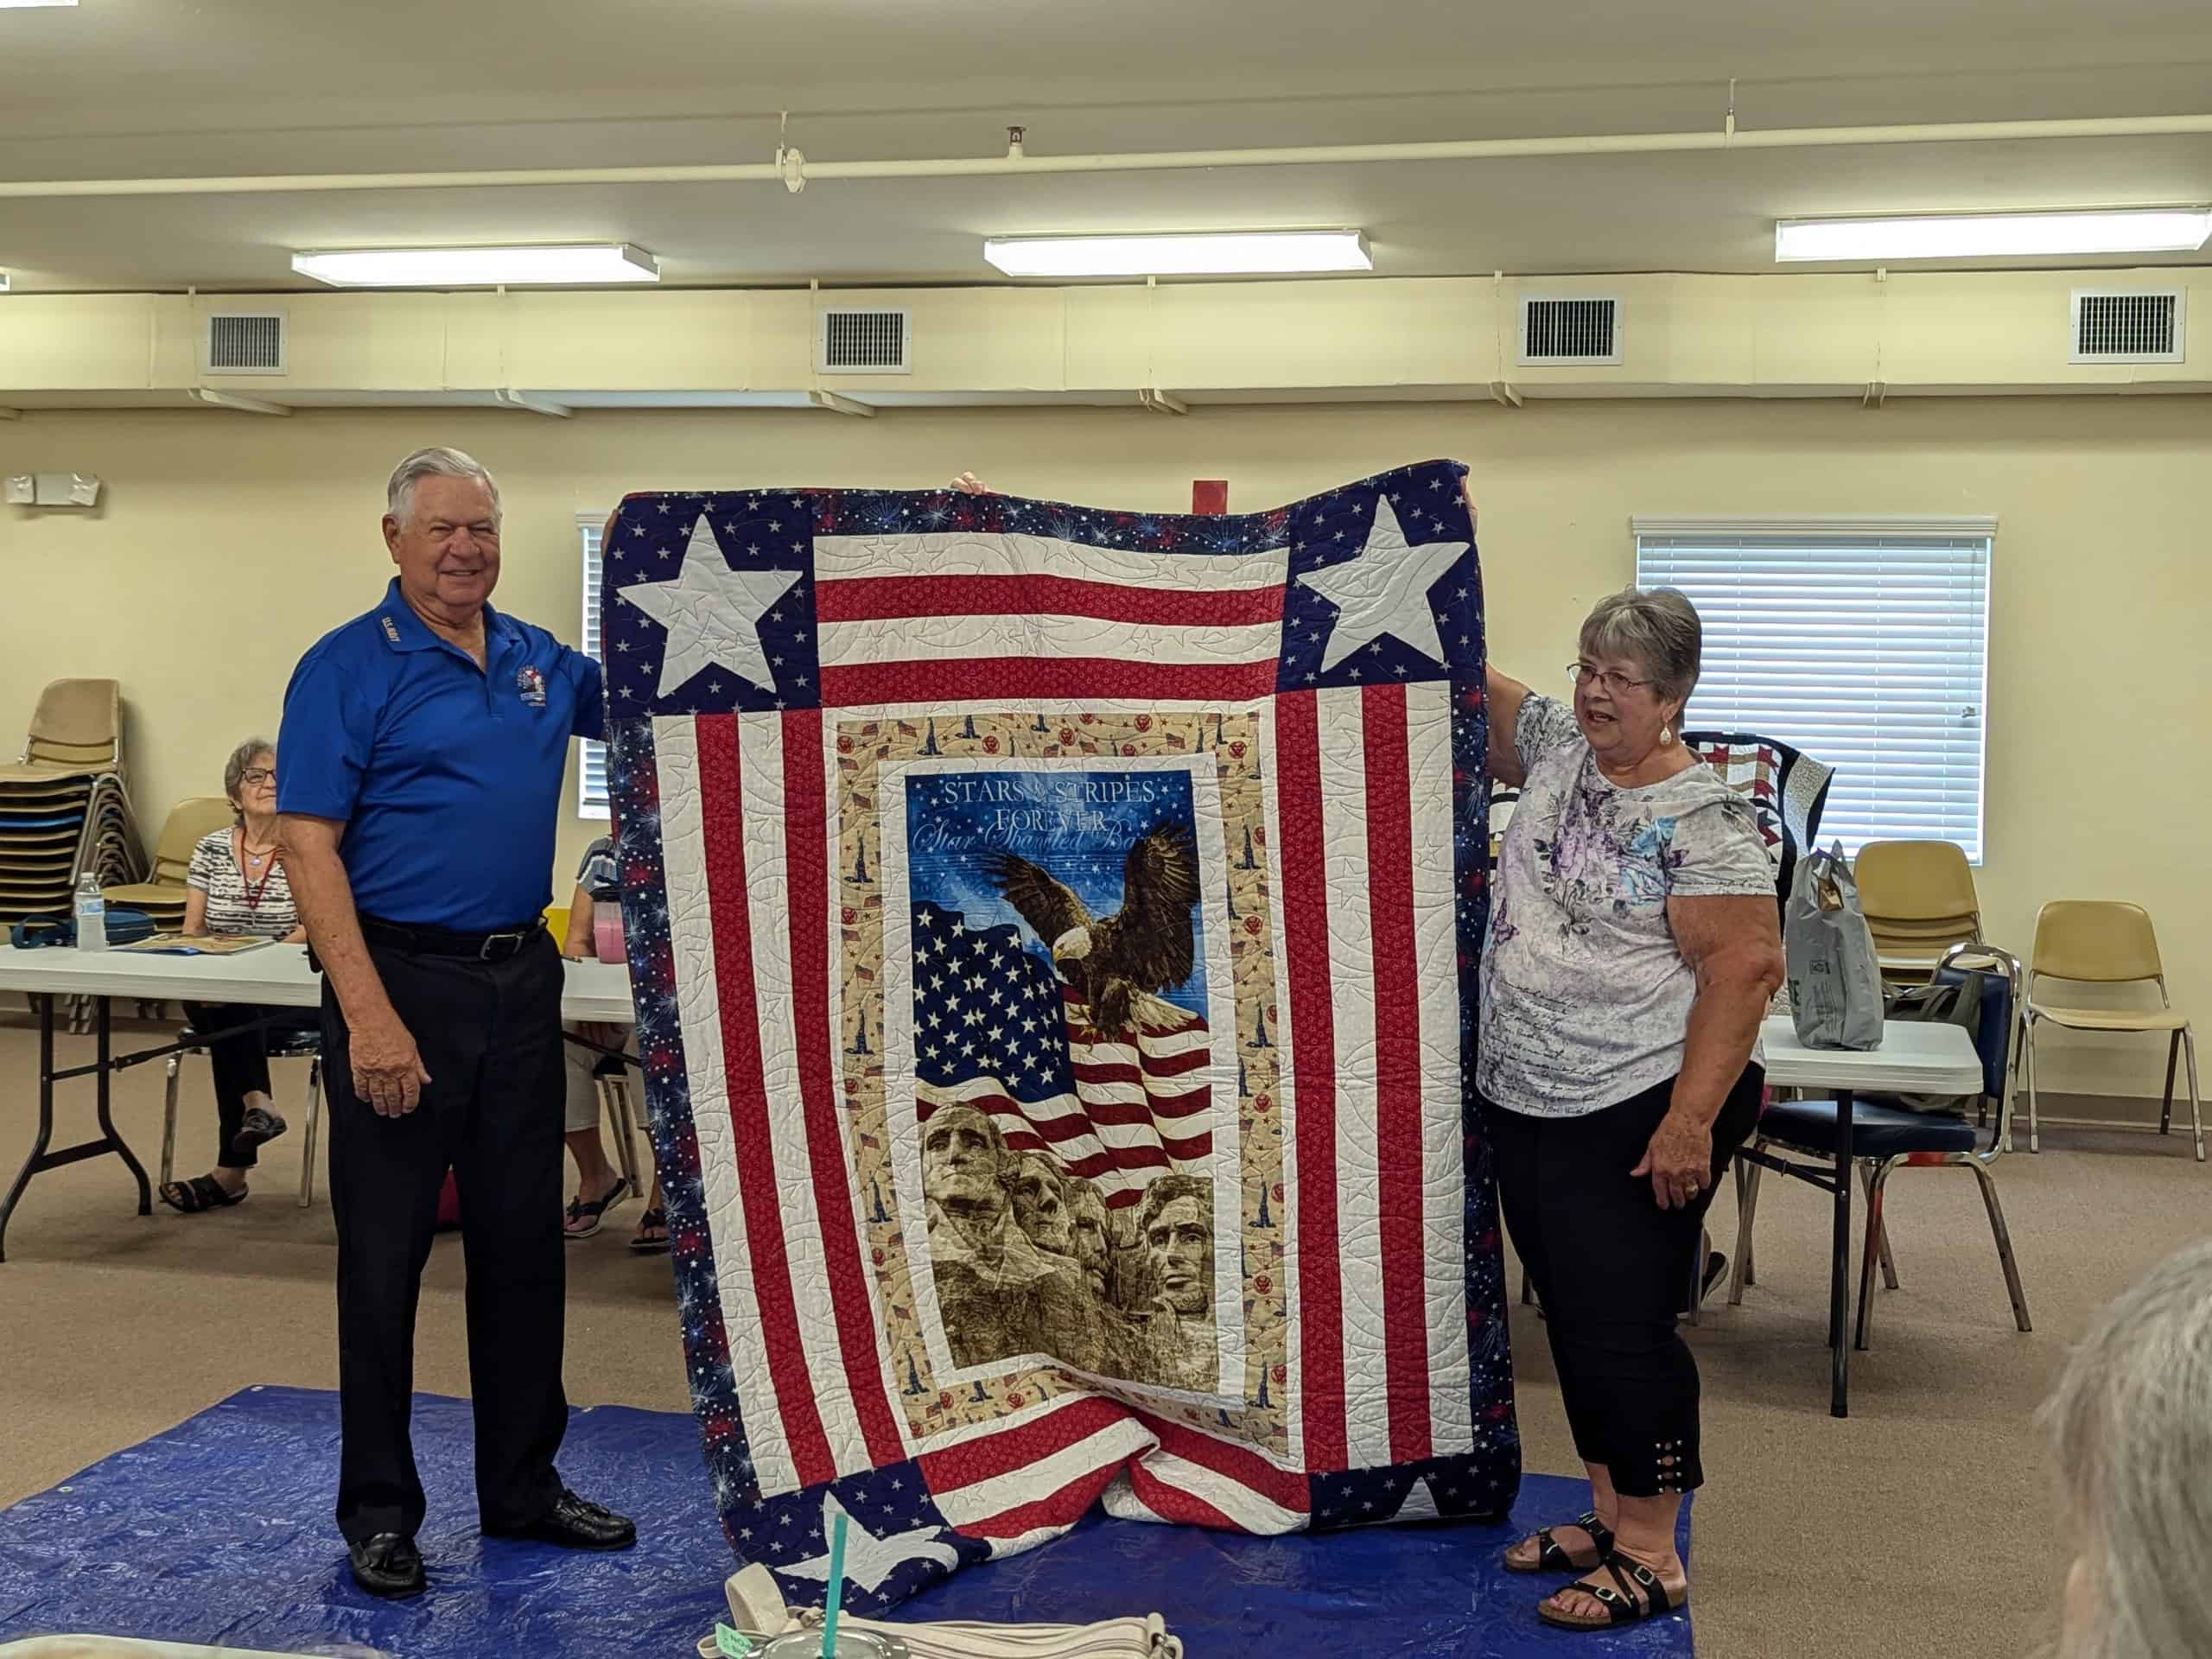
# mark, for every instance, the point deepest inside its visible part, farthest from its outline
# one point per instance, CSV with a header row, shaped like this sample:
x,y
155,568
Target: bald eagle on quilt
x,y
1052,931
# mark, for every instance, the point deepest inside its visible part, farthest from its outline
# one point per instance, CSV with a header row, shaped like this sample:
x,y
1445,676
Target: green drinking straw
x,y
836,1588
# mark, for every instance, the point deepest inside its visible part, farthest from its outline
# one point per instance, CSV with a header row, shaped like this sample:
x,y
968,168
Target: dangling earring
x,y
1666,737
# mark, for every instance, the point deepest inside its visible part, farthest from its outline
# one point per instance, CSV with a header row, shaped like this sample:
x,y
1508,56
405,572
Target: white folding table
x,y
1917,1057
275,975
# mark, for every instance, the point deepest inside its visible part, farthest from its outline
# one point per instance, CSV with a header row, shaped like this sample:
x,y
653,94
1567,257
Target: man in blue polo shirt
x,y
424,747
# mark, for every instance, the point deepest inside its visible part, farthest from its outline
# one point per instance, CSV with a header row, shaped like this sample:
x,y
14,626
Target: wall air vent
x,y
2130,325
244,342
857,341
1570,330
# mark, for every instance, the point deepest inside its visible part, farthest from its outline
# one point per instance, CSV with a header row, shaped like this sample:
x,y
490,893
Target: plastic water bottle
x,y
91,914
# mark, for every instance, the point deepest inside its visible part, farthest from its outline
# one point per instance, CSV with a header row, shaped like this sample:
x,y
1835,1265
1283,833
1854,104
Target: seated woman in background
x,y
236,884
596,881
2133,1423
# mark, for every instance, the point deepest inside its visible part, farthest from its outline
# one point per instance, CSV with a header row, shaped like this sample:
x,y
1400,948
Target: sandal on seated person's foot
x,y
1635,1594
257,1127
1552,1556
652,1237
584,1218
200,1193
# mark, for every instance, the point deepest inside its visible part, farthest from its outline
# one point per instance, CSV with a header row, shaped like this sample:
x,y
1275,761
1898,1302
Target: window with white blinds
x,y
591,775
1861,641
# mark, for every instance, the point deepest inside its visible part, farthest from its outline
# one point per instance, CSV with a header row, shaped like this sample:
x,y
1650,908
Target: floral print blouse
x,y
1586,999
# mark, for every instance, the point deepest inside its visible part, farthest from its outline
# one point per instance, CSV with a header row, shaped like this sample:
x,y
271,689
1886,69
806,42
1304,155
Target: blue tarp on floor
x,y
219,1532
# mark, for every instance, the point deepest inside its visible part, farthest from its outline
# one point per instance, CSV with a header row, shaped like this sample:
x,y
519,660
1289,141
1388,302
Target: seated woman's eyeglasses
x,y
258,775
1605,678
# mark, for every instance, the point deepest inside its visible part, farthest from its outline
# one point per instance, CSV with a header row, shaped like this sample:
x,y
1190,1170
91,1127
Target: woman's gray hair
x,y
439,463
234,769
2132,1422
1654,627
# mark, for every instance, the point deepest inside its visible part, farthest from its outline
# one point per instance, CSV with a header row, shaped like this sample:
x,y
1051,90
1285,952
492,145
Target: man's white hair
x,y
436,463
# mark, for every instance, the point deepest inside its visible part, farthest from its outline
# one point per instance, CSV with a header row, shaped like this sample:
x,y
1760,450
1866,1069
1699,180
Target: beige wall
x,y
228,542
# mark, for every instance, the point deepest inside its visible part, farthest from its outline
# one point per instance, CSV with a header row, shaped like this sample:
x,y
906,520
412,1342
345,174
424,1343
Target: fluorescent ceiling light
x,y
1970,236
608,261
7,4
1203,254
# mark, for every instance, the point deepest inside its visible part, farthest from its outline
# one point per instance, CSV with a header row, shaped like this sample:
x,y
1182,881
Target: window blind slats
x,y
1866,649
591,773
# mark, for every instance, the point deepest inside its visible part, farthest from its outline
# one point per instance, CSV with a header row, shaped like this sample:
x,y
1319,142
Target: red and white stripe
x,y
927,619
816,1400
1363,809
1035,1477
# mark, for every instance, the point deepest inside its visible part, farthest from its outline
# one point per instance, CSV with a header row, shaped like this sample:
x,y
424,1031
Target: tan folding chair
x,y
190,822
77,731
2093,942
1919,900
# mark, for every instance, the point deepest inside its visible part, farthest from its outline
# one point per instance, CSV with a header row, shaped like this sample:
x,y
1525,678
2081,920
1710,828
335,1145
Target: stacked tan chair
x,y
1920,900
161,895
63,808
2090,941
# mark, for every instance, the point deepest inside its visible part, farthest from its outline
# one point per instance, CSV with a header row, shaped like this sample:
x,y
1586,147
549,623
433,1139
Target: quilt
x,y
1053,933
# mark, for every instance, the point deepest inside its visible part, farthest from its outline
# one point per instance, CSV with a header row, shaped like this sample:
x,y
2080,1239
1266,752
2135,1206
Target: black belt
x,y
500,946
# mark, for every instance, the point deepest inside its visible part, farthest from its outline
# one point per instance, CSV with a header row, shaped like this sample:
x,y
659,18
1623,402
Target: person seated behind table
x,y
596,879
236,886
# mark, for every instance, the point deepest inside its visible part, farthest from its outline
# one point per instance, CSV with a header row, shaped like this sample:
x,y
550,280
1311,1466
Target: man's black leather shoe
x,y
387,1565
573,1523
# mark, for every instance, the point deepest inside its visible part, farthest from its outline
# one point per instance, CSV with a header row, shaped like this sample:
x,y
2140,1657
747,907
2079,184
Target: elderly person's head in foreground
x,y
1638,664
2131,1422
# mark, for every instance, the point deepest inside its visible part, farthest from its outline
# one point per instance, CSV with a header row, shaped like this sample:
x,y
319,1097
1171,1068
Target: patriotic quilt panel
x,y
1053,934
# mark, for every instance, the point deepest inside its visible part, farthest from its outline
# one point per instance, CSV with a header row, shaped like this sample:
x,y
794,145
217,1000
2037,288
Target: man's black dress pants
x,y
489,1033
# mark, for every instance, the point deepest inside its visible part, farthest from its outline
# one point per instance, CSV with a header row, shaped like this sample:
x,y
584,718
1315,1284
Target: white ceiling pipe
x,y
1014,164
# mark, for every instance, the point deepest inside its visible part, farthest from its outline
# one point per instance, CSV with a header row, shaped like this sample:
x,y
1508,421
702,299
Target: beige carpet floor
x,y
1925,1523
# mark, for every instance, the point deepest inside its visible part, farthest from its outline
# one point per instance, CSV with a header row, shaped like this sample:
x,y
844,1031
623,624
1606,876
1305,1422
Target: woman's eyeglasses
x,y
1603,678
258,775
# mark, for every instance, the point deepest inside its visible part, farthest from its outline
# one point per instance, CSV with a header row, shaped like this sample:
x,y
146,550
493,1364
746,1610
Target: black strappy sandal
x,y
200,1193
257,1128
654,1217
593,1214
1553,1558
1640,1596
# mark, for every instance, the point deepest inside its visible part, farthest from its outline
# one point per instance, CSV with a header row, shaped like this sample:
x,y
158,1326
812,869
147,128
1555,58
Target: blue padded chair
x,y
1886,1138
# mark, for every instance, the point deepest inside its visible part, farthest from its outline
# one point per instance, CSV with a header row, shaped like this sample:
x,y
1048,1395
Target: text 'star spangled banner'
x,y
1053,932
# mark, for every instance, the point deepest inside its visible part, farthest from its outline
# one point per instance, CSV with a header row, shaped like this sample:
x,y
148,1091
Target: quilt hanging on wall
x,y
1053,934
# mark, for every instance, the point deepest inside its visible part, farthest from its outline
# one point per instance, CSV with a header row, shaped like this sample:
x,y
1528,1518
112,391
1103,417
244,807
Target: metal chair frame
x,y
2181,1041
1874,1173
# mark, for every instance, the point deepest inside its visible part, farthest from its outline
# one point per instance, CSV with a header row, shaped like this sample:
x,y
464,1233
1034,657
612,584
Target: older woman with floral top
x,y
1632,949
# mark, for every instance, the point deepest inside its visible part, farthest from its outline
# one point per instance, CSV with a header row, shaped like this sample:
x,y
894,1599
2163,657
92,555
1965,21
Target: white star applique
x,y
712,612
1383,589
870,1560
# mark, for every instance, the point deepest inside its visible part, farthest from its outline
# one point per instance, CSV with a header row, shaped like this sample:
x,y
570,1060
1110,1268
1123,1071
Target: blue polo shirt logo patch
x,y
530,685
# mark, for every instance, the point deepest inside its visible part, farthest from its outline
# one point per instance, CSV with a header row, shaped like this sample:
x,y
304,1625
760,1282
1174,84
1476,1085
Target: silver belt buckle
x,y
483,952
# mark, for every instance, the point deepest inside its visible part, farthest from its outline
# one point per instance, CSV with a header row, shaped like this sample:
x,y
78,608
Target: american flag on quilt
x,y
1053,934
